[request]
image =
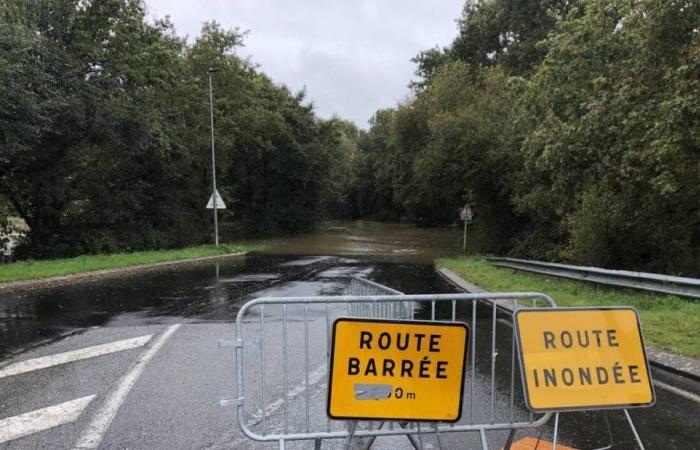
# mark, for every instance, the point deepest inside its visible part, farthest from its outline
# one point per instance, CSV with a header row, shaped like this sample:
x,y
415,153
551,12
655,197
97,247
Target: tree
x,y
571,126
612,163
90,162
105,132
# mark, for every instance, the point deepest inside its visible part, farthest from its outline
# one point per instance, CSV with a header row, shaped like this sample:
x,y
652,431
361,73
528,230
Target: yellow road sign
x,y
582,358
397,370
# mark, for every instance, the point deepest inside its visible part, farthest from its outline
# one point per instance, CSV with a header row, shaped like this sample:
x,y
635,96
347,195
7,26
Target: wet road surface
x,y
141,368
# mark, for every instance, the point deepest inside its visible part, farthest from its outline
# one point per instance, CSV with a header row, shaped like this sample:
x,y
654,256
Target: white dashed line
x,y
93,434
233,439
42,419
314,377
678,391
75,355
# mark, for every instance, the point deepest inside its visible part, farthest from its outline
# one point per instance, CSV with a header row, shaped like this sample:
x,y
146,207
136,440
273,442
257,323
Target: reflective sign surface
x,y
582,358
408,370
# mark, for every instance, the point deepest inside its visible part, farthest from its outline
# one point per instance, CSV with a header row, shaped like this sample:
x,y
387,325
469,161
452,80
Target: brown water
x,y
390,242
313,264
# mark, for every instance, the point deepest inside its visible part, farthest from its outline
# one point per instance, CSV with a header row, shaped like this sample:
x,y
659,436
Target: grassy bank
x,y
669,322
29,270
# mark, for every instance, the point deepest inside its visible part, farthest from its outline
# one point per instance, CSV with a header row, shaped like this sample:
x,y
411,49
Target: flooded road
x,y
192,294
400,255
174,402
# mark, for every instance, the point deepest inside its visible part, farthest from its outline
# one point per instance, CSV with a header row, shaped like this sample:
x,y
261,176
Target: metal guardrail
x,y
665,284
269,329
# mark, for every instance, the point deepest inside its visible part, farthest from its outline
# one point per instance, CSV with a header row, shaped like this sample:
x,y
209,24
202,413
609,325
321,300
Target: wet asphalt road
x,y
172,402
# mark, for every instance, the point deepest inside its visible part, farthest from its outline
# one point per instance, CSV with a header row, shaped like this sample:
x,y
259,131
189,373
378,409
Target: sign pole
x,y
465,215
213,159
464,244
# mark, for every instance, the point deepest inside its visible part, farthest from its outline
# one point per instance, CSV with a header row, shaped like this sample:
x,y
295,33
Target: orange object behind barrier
x,y
530,443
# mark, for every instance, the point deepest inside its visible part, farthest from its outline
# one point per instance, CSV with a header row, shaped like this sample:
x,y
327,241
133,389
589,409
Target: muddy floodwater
x,y
318,263
313,264
379,241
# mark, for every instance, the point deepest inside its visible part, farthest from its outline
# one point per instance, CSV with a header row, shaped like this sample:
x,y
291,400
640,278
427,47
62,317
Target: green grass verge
x,y
669,322
29,270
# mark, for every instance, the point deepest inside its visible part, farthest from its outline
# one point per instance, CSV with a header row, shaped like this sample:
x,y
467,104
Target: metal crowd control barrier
x,y
282,346
390,310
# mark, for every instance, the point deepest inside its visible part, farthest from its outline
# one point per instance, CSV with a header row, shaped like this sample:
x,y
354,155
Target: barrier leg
x,y
634,430
437,435
351,434
370,440
420,438
610,435
539,438
509,441
414,443
484,444
411,438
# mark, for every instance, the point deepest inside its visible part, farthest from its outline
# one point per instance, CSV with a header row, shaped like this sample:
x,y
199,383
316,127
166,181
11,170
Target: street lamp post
x,y
213,158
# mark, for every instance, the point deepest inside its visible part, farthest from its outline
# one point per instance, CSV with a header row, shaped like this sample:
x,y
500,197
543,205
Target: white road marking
x,y
314,377
42,419
233,439
678,391
75,355
92,435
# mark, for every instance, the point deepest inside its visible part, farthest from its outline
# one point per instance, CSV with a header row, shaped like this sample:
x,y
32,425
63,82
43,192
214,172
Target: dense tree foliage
x,y
104,133
572,127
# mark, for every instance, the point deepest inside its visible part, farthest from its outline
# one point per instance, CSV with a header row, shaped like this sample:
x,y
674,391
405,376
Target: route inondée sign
x,y
582,358
397,370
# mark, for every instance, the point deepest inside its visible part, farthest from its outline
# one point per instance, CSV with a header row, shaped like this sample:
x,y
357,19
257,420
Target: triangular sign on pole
x,y
219,201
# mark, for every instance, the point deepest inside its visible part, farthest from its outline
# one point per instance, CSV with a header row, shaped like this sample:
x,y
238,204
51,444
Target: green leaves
x,y
105,138
618,138
571,127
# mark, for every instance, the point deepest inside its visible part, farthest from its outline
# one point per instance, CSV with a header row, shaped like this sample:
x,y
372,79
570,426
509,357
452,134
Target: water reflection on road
x,y
306,265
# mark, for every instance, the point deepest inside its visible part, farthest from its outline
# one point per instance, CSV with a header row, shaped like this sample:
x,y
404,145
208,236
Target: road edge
x,y
93,274
679,364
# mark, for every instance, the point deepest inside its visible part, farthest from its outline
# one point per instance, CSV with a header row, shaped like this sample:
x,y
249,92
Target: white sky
x,y
353,57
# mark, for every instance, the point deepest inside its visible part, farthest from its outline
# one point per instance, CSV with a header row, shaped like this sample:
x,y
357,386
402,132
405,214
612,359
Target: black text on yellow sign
x,y
582,358
397,370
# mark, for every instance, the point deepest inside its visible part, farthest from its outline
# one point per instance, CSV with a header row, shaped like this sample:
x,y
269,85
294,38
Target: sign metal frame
x,y
521,360
409,322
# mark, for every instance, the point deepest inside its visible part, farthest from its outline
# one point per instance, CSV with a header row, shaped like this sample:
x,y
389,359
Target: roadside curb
x,y
679,364
461,283
88,276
